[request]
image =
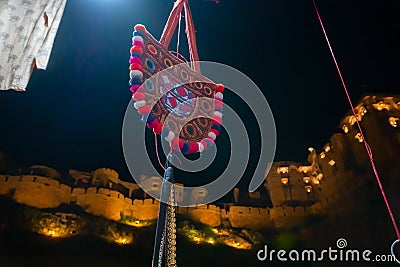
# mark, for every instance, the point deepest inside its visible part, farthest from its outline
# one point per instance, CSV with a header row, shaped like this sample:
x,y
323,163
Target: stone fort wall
x,y
42,192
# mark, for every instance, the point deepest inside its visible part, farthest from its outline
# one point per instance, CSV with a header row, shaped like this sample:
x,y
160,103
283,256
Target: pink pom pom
x,y
144,110
216,132
138,43
218,104
136,60
153,124
139,96
134,88
194,147
217,120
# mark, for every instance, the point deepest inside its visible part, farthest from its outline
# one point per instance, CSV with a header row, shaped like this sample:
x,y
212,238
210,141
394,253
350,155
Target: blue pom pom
x,y
135,81
185,148
215,127
151,117
138,33
136,54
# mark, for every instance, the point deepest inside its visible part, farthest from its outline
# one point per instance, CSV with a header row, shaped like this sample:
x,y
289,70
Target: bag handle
x,y
170,27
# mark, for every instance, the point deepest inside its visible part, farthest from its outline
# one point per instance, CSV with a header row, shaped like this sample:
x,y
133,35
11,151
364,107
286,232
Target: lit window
x,y
394,121
315,180
352,120
308,188
284,180
362,111
322,155
282,170
381,105
345,129
306,179
304,169
331,162
358,137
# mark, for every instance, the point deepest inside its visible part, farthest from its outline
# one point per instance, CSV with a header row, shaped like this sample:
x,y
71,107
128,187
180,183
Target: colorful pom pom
x,y
137,49
219,88
185,149
170,136
137,43
217,114
137,38
194,147
158,129
212,135
138,96
217,120
135,60
151,117
139,104
218,104
136,66
135,81
216,132
219,95
136,73
140,27
134,88
153,124
144,110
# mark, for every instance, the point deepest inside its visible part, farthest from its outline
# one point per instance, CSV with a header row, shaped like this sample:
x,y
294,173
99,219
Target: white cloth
x,y
27,32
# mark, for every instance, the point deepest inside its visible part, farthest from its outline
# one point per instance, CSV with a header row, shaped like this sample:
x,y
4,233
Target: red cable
x,y
367,147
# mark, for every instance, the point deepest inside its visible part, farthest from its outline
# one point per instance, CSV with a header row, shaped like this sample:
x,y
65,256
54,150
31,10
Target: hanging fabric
x,y
27,32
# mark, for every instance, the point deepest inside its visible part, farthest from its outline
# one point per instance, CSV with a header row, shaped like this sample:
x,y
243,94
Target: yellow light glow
x,y
359,138
345,129
315,180
308,188
322,155
331,162
306,179
381,105
394,122
327,148
210,241
353,120
362,111
311,149
284,180
320,176
282,170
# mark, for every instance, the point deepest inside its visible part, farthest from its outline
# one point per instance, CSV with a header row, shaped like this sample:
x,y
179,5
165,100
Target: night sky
x,y
71,114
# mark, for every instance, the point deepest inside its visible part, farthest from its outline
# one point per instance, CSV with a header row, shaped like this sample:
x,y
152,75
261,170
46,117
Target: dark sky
x,y
71,114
